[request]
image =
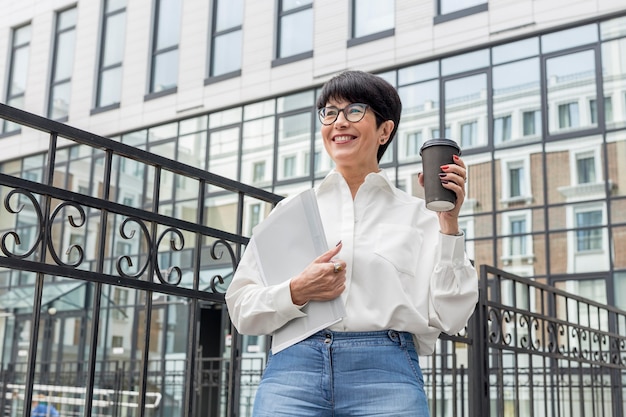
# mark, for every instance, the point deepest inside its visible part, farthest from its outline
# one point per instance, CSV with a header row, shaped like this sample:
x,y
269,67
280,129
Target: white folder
x,y
286,242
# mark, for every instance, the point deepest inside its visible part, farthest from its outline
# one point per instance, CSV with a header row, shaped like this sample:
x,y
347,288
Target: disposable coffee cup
x,y
435,153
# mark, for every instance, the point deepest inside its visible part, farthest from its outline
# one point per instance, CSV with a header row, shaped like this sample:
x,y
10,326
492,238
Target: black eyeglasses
x,y
352,112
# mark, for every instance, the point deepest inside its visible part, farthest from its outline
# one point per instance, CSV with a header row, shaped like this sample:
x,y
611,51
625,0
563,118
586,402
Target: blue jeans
x,y
336,374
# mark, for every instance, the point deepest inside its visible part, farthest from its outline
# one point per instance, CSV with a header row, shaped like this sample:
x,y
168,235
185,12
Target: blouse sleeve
x,y
254,308
454,287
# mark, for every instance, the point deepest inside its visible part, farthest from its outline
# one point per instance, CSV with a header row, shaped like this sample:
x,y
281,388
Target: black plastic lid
x,y
439,142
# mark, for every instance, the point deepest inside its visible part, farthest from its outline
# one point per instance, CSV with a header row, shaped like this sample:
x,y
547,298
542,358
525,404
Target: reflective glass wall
x,y
541,122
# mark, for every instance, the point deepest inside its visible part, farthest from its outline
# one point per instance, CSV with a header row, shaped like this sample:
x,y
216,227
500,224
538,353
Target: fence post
x,y
478,370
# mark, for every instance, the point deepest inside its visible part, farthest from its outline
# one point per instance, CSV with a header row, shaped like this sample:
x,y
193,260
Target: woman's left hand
x,y
453,177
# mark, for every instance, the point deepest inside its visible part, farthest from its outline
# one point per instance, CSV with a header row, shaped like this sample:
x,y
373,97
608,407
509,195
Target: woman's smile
x,y
343,138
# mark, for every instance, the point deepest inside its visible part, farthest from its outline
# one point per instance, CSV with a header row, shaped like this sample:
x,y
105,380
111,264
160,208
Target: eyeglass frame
x,y
343,110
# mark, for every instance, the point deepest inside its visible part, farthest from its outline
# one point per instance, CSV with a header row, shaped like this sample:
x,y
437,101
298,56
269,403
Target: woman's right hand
x,y
319,281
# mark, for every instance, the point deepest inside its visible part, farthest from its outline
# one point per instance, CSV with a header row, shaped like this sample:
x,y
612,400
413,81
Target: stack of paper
x,y
286,242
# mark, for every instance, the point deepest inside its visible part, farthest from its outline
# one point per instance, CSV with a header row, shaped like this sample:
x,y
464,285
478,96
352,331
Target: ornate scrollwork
x,y
217,256
177,244
126,258
15,235
508,317
175,248
73,223
527,341
42,225
618,351
495,330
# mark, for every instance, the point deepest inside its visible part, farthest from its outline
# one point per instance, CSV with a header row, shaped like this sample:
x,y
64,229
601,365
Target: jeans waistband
x,y
381,337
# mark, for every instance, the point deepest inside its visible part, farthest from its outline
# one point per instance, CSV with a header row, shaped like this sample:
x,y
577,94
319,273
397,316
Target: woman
x,y
400,269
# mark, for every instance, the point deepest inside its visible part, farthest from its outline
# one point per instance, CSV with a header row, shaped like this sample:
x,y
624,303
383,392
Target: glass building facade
x,y
541,121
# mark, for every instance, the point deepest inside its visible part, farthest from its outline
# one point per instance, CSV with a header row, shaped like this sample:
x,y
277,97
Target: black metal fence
x,y
540,351
66,254
56,236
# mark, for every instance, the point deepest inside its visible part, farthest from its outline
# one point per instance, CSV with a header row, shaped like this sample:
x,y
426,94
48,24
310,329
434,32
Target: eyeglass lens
x,y
353,113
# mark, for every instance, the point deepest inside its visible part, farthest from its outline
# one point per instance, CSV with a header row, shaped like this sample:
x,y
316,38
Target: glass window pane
x,y
64,60
515,50
110,87
586,169
19,71
259,109
372,16
229,14
620,289
223,146
613,70
420,109
137,139
569,38
115,32
163,132
293,4
296,33
417,73
113,5
516,86
168,28
67,19
466,109
258,145
571,80
294,144
226,53
59,101
449,6
17,102
295,101
225,117
465,62
21,35
192,149
614,28
165,71
193,125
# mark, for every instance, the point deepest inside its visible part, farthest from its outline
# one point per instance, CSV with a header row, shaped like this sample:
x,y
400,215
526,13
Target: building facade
x,y
533,91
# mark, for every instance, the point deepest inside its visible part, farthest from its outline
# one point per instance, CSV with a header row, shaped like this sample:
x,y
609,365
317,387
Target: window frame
x,y
583,153
506,165
280,15
53,68
156,52
10,95
526,257
458,14
102,69
590,234
214,35
354,41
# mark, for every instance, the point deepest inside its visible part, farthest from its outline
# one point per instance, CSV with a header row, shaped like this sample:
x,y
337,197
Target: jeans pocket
x,y
414,363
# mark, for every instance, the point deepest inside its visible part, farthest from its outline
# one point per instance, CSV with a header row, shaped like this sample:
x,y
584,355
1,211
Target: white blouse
x,y
401,272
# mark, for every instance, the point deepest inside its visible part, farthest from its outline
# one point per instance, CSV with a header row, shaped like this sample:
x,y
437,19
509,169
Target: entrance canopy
x,y
24,297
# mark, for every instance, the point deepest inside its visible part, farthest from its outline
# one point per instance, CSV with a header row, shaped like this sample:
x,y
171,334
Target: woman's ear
x,y
386,129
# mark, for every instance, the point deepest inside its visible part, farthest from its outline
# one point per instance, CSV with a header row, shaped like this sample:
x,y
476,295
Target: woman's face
x,y
354,144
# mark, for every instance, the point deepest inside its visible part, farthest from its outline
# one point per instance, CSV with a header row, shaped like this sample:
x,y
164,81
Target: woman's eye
x,y
355,110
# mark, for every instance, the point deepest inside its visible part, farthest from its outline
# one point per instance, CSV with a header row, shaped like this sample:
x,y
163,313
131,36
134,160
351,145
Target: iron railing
x,y
53,204
528,350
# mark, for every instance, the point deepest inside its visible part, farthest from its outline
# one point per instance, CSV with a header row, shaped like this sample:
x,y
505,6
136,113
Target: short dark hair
x,y
366,88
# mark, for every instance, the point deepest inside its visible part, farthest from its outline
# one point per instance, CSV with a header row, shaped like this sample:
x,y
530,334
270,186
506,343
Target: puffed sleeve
x,y
454,286
254,308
